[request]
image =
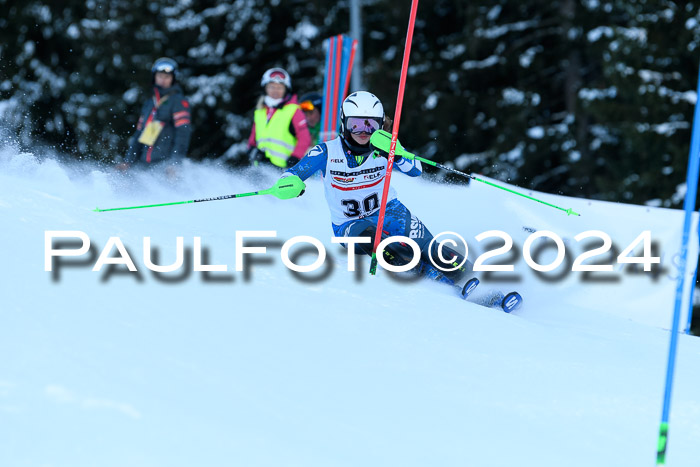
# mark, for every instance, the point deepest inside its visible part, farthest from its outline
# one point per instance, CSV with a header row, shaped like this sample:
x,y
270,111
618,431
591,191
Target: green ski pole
x,y
285,188
379,140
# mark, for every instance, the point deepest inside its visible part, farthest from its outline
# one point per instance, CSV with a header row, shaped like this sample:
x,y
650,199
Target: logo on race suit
x,y
417,228
337,161
315,151
373,170
344,179
349,179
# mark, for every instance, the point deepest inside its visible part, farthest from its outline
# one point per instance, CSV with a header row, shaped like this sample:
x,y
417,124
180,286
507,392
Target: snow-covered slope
x,y
264,368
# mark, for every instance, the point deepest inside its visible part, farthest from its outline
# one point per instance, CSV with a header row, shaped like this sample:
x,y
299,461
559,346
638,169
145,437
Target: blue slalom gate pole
x,y
690,305
689,207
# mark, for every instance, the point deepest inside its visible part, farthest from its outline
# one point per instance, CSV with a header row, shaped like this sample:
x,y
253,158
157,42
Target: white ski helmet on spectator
x,y
276,75
361,111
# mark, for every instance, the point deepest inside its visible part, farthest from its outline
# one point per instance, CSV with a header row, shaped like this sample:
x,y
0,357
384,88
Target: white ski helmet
x,y
361,104
276,75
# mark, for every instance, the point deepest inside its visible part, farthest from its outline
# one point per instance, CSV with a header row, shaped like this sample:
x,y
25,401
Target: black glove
x,y
292,161
255,155
381,153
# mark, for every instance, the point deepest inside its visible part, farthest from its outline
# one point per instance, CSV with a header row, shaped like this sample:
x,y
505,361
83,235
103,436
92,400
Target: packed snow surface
x,y
263,367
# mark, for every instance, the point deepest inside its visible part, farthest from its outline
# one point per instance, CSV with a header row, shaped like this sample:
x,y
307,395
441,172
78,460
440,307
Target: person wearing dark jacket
x,y
164,128
312,106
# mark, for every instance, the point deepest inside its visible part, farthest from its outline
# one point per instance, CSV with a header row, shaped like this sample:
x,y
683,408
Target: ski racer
x,y
353,177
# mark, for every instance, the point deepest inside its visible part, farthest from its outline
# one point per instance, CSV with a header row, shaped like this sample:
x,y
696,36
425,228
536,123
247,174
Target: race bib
x,y
151,132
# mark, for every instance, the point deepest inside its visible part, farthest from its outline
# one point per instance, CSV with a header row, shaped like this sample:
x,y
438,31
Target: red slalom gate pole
x,y
394,135
336,82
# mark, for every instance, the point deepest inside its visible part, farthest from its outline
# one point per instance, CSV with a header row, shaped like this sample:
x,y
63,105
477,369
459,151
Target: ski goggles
x,y
164,67
358,125
278,77
307,106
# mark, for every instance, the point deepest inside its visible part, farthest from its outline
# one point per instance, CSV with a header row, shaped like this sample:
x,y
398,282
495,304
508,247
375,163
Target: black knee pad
x,y
366,248
396,254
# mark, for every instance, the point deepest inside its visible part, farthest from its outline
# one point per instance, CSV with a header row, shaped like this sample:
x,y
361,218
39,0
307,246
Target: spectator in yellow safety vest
x,y
280,134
